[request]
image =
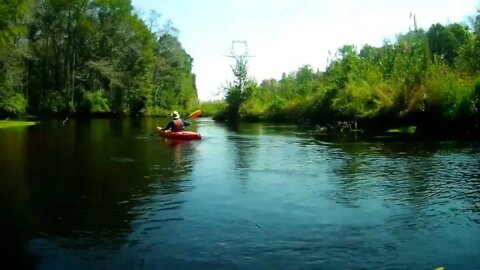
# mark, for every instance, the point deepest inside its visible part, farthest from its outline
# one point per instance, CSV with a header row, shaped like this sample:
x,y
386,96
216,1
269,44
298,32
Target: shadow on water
x,y
80,186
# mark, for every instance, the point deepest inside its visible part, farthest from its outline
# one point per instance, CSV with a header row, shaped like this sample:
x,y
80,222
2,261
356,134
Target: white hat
x,y
175,115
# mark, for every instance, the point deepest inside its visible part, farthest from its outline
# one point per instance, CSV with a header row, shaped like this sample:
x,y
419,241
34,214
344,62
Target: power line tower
x,y
239,49
239,52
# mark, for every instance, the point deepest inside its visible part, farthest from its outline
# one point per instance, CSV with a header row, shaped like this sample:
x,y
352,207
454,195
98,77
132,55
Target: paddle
x,y
193,115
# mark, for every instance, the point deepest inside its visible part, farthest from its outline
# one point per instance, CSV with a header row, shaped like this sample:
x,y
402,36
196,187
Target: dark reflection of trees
x,y
244,144
75,185
79,182
16,215
232,126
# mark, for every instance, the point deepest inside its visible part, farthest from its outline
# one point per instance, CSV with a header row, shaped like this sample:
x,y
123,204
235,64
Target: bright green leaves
x,y
13,46
95,102
426,73
13,19
241,89
76,49
174,83
12,103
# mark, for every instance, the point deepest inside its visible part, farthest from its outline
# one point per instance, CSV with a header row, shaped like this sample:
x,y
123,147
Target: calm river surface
x,y
103,194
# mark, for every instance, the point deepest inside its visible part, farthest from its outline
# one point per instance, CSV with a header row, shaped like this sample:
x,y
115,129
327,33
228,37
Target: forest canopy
x,y
90,56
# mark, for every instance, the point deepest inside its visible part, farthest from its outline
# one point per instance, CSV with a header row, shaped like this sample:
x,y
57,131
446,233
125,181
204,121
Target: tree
x,y
445,42
70,54
14,16
174,83
237,92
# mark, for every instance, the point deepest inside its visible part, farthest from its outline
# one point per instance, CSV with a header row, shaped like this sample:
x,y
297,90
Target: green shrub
x,y
95,102
136,101
211,108
362,100
447,93
477,88
13,103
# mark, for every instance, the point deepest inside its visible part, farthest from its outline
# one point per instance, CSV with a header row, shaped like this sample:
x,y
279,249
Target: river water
x,y
104,194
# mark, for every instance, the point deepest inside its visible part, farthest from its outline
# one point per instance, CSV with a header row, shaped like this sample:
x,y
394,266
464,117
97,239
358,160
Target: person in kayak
x,y
177,124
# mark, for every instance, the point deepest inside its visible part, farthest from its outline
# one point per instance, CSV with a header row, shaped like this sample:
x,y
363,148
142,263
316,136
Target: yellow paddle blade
x,y
195,114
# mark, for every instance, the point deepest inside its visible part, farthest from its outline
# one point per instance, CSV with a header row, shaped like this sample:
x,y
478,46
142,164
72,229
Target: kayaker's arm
x,y
170,125
186,123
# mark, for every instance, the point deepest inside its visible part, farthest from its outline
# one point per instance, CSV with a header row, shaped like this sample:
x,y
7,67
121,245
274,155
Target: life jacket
x,y
177,125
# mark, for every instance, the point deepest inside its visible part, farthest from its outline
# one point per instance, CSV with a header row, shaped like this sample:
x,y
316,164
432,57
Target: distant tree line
x,y
428,77
90,56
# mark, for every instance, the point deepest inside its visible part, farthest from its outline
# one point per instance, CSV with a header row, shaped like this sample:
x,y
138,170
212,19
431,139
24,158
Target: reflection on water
x,y
103,194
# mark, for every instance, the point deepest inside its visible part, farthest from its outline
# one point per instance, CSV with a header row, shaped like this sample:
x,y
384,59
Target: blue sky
x,y
284,35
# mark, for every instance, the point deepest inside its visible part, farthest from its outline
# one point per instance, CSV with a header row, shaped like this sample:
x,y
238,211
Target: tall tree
x,y
445,41
88,52
174,82
14,16
237,92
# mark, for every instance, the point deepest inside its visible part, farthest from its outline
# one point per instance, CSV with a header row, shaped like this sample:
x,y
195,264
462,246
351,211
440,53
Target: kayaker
x,y
176,124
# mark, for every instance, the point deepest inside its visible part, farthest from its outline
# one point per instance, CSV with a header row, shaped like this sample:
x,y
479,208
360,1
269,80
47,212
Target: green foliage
x,y
13,15
211,108
95,102
477,88
66,56
55,51
422,74
13,18
469,50
344,68
12,100
276,110
361,100
174,84
240,90
455,101
445,42
12,103
475,107
446,93
252,110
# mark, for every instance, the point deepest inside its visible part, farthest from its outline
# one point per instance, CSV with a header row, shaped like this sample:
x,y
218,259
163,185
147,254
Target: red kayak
x,y
182,135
